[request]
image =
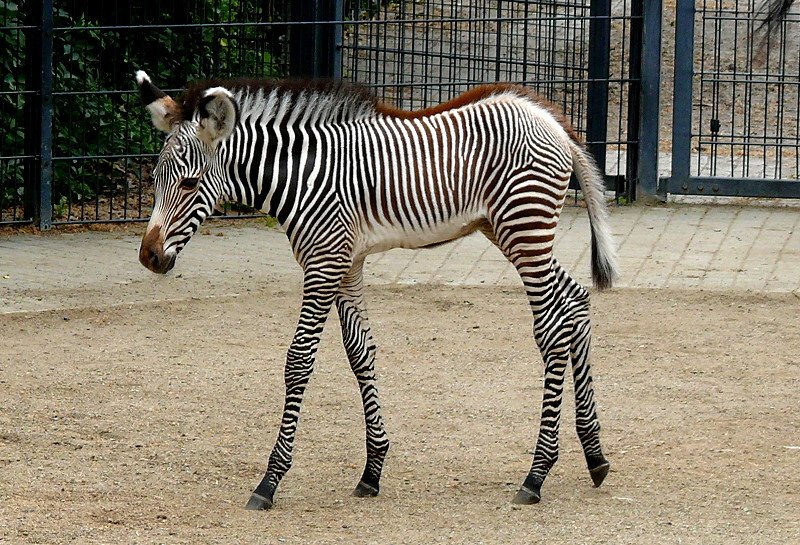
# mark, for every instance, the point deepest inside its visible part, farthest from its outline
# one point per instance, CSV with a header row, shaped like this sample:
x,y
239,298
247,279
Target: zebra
x,y
347,175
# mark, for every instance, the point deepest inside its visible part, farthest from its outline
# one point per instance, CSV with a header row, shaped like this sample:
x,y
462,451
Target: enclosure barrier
x,y
81,148
736,106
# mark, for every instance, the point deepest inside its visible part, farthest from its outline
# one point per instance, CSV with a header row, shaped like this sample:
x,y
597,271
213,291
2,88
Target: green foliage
x,y
98,116
12,80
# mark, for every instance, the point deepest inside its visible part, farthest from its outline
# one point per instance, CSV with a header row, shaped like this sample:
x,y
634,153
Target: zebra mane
x,y
315,100
329,101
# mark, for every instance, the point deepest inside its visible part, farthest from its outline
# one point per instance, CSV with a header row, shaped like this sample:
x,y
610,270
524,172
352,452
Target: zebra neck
x,y
278,150
271,166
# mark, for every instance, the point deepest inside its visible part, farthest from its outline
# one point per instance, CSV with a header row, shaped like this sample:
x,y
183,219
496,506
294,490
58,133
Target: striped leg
x,y
553,333
319,289
528,246
360,348
586,421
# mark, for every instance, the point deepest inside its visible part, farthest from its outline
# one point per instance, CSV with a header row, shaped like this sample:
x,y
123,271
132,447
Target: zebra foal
x,y
347,176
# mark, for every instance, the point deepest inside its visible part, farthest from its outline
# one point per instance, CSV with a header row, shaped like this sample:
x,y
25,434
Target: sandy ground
x,y
151,423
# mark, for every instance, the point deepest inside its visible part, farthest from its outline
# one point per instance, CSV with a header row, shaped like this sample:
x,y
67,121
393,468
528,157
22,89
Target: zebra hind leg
x,y
552,331
360,348
587,423
530,251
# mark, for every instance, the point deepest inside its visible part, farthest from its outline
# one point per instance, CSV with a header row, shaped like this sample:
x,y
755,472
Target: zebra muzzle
x,y
151,254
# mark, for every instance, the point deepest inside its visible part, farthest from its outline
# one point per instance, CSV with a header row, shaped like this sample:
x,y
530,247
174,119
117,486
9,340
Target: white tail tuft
x,y
604,255
141,77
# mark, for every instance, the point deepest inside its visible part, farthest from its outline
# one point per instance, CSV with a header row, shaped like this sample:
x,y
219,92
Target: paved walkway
x,y
694,247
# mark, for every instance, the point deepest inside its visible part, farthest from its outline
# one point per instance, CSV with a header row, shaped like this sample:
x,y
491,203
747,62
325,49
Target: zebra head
x,y
188,177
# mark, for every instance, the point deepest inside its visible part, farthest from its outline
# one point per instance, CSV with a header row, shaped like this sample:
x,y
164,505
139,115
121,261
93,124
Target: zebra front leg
x,y
319,291
360,348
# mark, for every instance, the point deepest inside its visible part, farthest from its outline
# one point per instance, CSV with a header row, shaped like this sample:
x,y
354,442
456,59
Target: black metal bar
x,y
311,23
337,38
597,90
682,99
734,187
320,59
302,44
634,101
315,50
650,88
143,220
32,110
44,212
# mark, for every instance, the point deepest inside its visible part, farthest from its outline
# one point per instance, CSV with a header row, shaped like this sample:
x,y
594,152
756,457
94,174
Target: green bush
x,y
96,109
12,136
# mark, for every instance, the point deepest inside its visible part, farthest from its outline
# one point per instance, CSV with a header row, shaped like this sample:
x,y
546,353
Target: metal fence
x,y
80,147
419,53
84,148
736,108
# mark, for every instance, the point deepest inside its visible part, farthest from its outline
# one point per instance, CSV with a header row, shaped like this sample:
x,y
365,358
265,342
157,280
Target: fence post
x,y
303,45
337,37
634,111
315,49
682,101
42,198
647,171
32,109
597,89
44,211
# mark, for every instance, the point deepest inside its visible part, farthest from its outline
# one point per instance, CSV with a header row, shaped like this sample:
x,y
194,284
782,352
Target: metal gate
x,y
736,109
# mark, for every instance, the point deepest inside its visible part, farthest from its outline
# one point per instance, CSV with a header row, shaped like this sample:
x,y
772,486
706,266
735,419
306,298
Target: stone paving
x,y
672,246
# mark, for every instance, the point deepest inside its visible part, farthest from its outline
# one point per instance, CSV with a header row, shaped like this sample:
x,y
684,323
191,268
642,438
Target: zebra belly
x,y
380,238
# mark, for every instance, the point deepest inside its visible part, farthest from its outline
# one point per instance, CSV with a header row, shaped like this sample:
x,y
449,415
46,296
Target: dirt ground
x,y
151,423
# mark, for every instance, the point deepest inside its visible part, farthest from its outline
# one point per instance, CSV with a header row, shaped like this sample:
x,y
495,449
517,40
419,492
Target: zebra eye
x,y
189,183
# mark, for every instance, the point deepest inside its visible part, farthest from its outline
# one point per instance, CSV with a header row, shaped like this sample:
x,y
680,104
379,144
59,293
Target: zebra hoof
x,y
530,492
599,473
258,502
526,496
364,490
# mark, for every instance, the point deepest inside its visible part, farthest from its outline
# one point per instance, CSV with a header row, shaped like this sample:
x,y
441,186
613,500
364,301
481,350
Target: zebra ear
x,y
218,116
164,111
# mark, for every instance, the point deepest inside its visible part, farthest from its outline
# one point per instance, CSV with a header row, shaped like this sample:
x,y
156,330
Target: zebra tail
x,y
604,255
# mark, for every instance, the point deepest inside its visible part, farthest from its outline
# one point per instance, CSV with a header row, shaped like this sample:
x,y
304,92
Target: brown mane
x,y
477,94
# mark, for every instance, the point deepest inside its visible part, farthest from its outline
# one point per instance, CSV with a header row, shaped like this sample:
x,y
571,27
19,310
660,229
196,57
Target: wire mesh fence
x,y
16,93
737,101
747,110
419,53
102,150
585,56
103,146
103,174
416,54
